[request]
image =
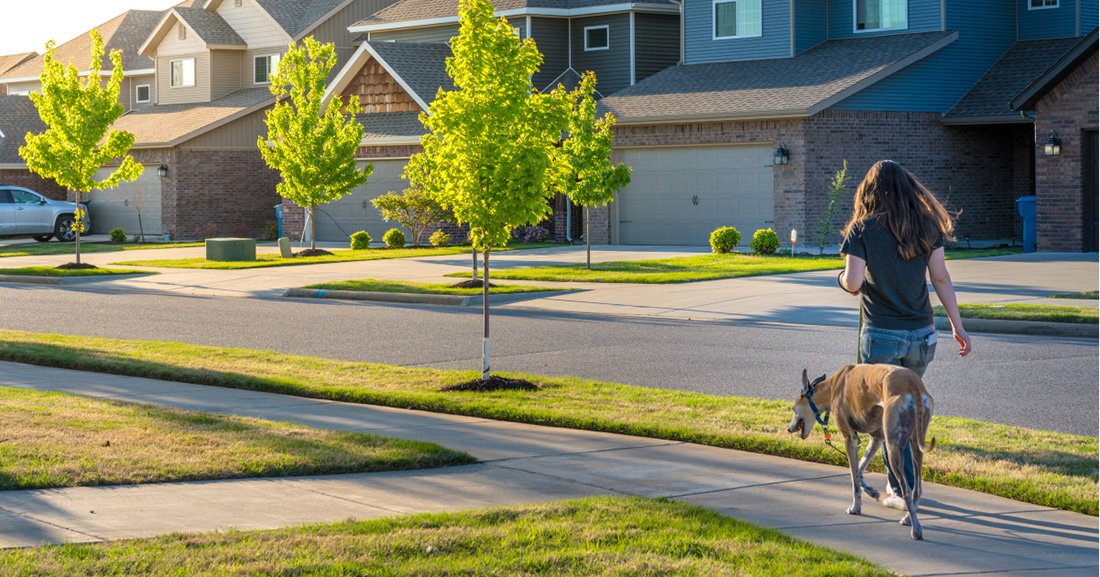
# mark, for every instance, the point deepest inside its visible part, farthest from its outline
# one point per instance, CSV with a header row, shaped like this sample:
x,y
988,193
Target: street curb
x,y
411,298
29,279
1033,328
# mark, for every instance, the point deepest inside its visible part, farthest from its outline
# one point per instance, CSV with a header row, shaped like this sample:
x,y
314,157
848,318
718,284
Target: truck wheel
x,y
63,228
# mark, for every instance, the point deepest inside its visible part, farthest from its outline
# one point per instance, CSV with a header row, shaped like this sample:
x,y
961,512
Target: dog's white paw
x,y
855,510
917,534
906,521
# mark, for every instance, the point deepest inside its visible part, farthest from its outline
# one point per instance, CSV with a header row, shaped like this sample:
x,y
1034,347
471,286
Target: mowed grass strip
x,y
59,440
1041,467
1087,295
601,536
52,271
271,260
50,248
391,286
1027,312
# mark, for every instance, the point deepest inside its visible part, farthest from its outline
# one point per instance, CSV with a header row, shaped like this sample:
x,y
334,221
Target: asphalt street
x,y
1044,383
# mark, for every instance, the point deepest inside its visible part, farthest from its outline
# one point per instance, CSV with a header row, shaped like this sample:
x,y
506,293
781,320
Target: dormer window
x,y
874,15
182,32
1040,4
183,73
237,3
141,93
597,38
737,19
263,67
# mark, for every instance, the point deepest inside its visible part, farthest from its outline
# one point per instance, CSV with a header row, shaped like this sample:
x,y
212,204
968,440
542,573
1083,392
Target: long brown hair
x,y
897,200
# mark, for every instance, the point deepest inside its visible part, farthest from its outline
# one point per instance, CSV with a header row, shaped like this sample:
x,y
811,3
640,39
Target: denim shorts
x,y
912,349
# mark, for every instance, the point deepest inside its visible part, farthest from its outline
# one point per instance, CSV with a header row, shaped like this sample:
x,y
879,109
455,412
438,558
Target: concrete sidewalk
x,y
965,532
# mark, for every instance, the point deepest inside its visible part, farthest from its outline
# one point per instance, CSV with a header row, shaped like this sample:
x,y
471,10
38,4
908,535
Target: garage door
x,y
119,206
680,195
337,220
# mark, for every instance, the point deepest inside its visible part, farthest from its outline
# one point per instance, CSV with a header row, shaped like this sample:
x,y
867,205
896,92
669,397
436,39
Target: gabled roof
x,y
1080,51
987,101
778,88
419,67
428,12
295,17
18,116
380,127
171,124
9,61
124,32
209,26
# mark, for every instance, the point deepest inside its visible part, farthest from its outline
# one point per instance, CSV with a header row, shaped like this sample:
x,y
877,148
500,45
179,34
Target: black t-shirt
x,y
894,292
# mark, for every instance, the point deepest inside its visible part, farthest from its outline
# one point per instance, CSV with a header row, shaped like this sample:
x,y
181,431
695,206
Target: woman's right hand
x,y
964,341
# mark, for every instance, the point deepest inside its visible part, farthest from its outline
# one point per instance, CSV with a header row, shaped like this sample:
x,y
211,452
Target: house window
x,y
264,67
238,3
881,15
142,93
737,18
597,38
182,32
183,73
1040,4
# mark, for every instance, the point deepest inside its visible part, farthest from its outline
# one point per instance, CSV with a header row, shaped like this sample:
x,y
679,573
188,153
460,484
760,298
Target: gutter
x,y
532,11
973,120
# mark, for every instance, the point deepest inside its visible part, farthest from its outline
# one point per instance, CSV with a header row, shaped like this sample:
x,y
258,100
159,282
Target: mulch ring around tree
x,y
313,252
472,283
494,383
76,266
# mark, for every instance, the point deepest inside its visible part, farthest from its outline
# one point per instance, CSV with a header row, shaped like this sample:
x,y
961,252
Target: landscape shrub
x,y
394,238
764,241
117,234
360,240
724,239
531,233
439,238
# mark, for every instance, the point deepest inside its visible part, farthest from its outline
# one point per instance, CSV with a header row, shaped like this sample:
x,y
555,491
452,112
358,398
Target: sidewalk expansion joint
x,y
656,443
568,480
347,500
30,517
754,485
1027,570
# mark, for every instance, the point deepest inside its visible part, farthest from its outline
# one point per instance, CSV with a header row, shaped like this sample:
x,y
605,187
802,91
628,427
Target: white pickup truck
x,y
24,212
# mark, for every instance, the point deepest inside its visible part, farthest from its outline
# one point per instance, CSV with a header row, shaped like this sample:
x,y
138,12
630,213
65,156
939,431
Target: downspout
x,y
568,221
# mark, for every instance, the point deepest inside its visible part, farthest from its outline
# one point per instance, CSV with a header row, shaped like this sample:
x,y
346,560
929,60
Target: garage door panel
x,y
337,220
119,206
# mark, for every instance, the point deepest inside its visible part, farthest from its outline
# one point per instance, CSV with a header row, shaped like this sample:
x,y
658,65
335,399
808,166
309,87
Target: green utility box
x,y
231,249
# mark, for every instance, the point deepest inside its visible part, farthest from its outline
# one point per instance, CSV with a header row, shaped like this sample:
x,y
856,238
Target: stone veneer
x,y
1070,108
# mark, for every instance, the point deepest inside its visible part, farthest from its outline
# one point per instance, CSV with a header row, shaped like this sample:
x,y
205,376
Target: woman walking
x,y
896,235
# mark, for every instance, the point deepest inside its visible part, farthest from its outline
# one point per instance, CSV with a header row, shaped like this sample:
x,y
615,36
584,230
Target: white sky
x,y
26,25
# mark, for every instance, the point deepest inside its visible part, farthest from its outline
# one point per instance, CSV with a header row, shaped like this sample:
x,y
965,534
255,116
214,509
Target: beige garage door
x,y
119,206
680,195
337,220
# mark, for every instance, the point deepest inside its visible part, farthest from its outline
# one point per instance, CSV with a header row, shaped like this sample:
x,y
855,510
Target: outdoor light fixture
x,y
1053,147
162,170
794,240
782,155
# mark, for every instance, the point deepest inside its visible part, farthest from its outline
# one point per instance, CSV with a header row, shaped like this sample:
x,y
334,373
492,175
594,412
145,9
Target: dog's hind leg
x,y
872,450
898,468
851,444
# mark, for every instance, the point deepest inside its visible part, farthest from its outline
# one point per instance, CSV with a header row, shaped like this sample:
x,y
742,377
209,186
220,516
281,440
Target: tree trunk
x,y
313,227
79,224
485,314
475,262
588,234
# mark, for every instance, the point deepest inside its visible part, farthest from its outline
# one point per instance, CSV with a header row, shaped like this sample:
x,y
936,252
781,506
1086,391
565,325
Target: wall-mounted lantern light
x,y
794,240
1053,146
162,170
782,155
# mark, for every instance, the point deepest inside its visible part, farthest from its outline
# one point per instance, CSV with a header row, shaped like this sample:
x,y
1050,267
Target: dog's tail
x,y
921,432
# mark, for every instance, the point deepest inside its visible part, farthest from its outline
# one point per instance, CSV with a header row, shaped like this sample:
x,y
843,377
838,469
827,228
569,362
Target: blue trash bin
x,y
279,220
1026,206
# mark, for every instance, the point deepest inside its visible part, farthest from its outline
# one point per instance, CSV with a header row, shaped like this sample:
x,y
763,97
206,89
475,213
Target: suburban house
x,y
9,61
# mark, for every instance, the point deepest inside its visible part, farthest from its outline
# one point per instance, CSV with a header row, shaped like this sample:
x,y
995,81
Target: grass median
x,y
391,286
52,271
603,536
1026,312
1041,467
51,248
59,440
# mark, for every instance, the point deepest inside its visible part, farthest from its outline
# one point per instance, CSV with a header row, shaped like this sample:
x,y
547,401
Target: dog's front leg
x,y
872,450
852,445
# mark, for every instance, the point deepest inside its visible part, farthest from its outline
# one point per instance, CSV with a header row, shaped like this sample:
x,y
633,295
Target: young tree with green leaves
x,y
413,209
491,140
77,142
826,225
313,149
584,171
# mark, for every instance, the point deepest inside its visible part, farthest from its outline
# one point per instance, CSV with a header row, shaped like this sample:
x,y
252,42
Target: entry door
x,y
1090,190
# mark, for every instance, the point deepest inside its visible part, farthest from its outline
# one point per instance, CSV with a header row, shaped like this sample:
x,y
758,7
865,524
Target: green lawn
x,y
48,248
270,260
59,440
1087,295
390,286
1041,467
604,536
59,272
957,253
1027,312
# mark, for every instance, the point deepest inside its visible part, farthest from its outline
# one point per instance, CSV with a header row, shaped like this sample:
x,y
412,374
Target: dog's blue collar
x,y
824,422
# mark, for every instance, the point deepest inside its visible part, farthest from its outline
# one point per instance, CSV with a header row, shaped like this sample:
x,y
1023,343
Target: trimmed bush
x,y
394,238
360,240
724,239
439,238
764,241
117,234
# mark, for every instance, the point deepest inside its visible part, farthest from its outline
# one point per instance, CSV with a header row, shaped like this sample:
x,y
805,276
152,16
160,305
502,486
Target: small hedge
x,y
394,238
439,238
764,241
724,239
117,234
360,240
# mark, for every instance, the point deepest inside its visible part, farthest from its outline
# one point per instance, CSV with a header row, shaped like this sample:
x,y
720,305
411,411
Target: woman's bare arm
x,y
941,281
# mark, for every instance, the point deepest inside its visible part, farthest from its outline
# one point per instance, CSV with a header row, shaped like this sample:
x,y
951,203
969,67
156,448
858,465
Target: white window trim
x,y
194,73
856,30
597,48
270,71
714,25
137,90
1057,3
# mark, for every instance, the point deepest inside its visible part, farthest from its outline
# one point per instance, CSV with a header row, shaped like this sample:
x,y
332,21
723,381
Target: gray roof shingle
x,y
795,86
18,116
391,124
421,65
1024,62
211,27
407,10
297,16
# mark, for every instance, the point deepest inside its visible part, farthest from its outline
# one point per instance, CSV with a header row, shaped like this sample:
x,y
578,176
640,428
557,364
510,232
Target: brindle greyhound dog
x,y
887,402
